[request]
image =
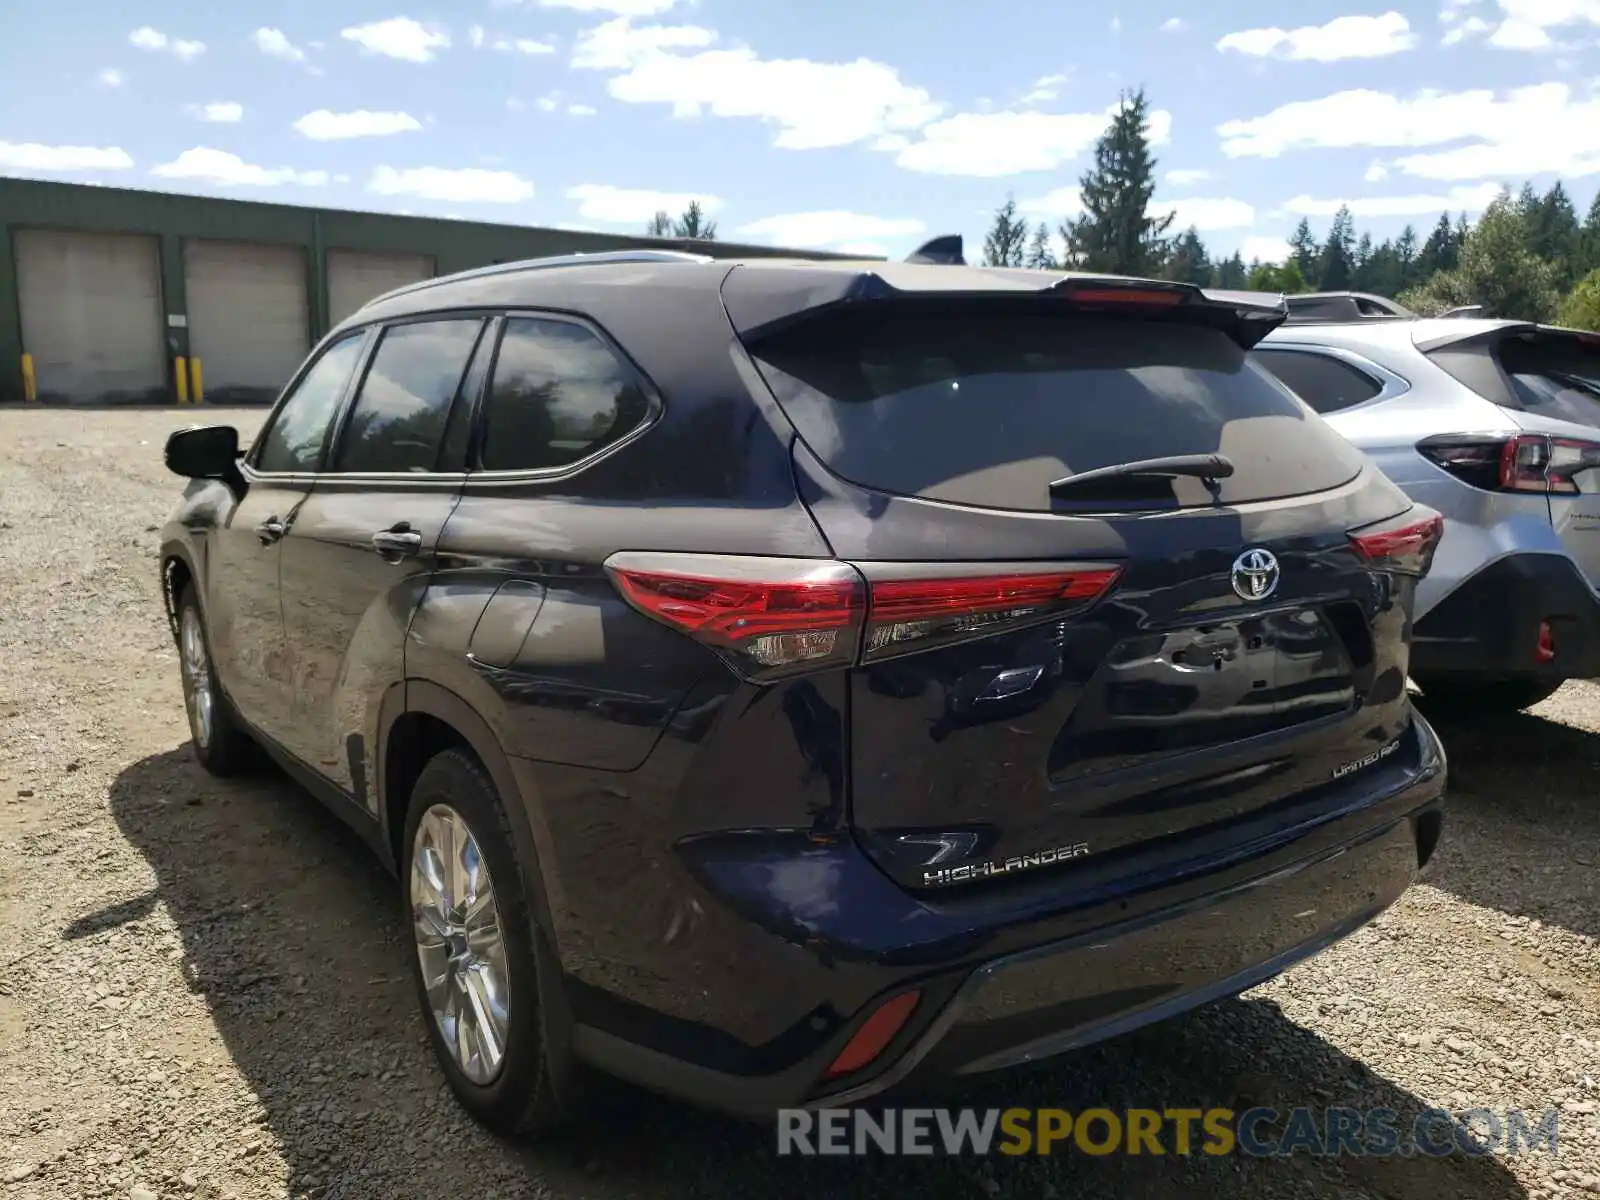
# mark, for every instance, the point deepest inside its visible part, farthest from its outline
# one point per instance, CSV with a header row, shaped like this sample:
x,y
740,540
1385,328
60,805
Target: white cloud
x,y
399,37
111,78
581,110
1063,202
1524,24
1174,25
1530,131
1044,89
441,183
1340,38
619,8
146,38
834,228
1205,213
864,249
275,43
1377,171
815,105
548,103
325,126
32,156
525,46
633,206
475,35
1116,24
224,112
205,165
1186,177
1471,199
1266,249
989,145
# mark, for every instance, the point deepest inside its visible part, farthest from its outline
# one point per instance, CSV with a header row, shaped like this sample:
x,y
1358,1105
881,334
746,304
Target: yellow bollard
x,y
180,372
30,385
196,392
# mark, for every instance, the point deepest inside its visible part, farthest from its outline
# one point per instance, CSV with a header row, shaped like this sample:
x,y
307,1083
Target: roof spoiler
x,y
1338,308
1465,310
946,251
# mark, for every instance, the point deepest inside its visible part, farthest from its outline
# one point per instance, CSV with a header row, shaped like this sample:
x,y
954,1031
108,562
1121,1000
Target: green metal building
x,y
112,295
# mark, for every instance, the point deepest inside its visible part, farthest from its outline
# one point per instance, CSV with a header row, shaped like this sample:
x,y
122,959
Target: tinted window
x,y
558,394
987,409
1554,378
1325,383
294,443
399,417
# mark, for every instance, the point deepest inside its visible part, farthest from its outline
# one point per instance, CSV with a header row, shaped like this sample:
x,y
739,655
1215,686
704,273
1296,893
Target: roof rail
x,y
540,264
1461,311
1326,308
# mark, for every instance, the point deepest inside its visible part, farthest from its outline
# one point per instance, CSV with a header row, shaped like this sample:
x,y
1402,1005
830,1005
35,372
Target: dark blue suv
x,y
773,680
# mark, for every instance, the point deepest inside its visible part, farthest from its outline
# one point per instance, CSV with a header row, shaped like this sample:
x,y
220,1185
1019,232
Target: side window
x,y
1323,382
558,393
294,442
398,420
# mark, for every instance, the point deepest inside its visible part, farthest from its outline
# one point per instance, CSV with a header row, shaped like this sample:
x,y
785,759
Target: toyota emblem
x,y
1255,574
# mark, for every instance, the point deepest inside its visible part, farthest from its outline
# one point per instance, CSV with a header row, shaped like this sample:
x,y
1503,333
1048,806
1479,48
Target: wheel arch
x,y
417,720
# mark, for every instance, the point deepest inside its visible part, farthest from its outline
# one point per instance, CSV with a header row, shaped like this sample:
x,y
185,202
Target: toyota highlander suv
x,y
776,681
1494,424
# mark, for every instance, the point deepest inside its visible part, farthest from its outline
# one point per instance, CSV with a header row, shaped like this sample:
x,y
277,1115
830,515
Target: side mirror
x,y
204,452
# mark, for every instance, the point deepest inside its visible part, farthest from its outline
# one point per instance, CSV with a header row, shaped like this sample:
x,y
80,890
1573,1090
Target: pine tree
x,y
1116,233
1041,256
1189,261
1405,249
1553,234
1305,251
1232,273
1007,240
1589,247
660,224
693,224
1497,269
1337,266
1361,267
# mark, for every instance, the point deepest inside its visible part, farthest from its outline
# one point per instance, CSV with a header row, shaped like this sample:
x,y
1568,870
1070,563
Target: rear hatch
x,y
1116,673
1548,380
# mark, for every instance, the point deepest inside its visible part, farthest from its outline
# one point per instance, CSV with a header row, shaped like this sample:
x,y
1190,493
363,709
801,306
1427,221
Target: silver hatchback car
x,y
1496,424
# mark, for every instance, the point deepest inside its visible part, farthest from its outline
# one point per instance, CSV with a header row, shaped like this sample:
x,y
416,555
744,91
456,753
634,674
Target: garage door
x,y
91,315
249,322
356,276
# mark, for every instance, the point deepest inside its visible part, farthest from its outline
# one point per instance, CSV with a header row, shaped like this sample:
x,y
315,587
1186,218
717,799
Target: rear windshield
x,y
988,409
1554,377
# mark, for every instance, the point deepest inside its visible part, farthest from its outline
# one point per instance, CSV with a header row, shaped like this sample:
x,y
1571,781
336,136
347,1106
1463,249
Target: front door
x,y
363,546
244,615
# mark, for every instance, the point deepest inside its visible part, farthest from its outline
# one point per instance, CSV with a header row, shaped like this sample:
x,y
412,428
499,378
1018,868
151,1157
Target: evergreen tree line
x,y
1528,256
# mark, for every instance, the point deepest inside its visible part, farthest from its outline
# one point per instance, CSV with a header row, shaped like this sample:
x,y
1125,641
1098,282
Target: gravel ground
x,y
203,986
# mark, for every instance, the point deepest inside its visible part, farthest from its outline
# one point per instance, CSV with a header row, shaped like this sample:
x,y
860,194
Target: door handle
x,y
397,543
271,530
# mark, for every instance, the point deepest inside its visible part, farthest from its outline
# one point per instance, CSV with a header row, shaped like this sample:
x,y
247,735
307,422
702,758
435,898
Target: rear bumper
x,y
1489,626
1096,970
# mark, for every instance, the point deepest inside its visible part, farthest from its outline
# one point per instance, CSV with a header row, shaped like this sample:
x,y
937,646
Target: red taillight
x,y
772,616
876,1032
923,610
1126,297
1406,543
1523,463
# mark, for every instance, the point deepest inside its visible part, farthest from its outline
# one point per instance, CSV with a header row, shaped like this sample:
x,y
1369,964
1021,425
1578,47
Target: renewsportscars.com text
x,y
1258,1132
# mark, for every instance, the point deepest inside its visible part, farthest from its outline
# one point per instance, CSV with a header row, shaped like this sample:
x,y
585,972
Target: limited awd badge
x,y
1255,574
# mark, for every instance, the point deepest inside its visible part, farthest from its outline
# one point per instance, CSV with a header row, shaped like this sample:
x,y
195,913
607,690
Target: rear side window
x,y
987,408
1554,379
1327,384
399,417
558,394
295,440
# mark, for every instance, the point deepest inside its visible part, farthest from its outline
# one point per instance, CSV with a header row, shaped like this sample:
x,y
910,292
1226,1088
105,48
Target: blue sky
x,y
864,125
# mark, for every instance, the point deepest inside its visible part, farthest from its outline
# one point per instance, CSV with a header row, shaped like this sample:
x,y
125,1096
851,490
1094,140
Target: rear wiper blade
x,y
1209,467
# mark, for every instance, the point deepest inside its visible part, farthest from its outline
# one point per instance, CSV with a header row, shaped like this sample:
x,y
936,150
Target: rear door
x,y
1116,673
362,547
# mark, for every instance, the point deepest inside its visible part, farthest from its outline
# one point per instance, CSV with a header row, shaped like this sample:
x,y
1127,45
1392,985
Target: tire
x,y
218,737
535,1085
1465,698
